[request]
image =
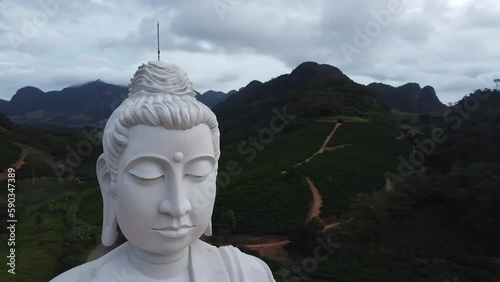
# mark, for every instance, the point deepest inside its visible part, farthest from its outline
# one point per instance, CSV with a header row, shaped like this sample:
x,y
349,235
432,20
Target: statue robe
x,y
207,263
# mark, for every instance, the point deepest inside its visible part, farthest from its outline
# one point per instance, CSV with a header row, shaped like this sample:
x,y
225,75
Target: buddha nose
x,y
176,204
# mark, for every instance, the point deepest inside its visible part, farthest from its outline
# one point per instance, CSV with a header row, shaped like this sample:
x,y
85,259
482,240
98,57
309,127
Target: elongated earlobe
x,y
108,236
208,232
109,222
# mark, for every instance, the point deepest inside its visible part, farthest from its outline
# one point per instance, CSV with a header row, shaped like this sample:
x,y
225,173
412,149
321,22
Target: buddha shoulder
x,y
244,267
96,270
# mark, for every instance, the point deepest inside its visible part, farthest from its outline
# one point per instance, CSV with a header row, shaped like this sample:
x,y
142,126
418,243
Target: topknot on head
x,y
160,78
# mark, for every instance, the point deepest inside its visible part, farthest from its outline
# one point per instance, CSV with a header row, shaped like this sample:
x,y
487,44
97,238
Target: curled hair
x,y
170,111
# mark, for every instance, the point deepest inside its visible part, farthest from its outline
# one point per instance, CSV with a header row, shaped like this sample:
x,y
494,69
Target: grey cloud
x,y
429,42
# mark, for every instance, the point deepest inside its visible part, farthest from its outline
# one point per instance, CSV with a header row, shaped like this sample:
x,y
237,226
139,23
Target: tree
x,y
227,221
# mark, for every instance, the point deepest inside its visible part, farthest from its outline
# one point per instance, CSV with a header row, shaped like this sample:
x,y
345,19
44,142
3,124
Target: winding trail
x,y
276,249
281,243
322,148
316,203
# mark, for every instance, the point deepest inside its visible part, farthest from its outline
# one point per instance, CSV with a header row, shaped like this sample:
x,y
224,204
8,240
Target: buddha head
x,y
158,170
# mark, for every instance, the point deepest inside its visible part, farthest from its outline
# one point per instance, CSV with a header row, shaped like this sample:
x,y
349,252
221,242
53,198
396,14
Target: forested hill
x,y
311,90
442,221
409,98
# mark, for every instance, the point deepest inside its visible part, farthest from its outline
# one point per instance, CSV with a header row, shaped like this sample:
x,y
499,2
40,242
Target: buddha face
x,y
166,187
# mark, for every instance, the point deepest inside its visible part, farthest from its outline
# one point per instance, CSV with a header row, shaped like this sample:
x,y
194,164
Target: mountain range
x,y
87,104
311,89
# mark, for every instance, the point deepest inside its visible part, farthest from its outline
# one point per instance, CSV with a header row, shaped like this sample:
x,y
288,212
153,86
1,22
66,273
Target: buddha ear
x,y
208,231
109,223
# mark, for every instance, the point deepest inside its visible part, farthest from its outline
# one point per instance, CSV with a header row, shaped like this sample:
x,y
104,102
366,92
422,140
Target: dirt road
x,y
316,203
322,148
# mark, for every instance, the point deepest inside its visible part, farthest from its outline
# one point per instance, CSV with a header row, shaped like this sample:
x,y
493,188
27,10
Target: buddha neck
x,y
158,266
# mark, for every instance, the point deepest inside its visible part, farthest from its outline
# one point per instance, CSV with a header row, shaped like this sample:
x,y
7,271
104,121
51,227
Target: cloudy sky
x,y
452,45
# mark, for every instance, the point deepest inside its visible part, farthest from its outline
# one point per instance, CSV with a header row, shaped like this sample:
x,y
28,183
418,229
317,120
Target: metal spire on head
x,y
158,38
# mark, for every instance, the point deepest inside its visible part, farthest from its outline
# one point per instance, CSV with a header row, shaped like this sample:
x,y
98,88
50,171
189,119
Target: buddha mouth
x,y
172,228
174,232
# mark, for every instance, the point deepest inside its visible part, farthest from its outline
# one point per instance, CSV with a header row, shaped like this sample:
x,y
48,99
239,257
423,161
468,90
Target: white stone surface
x,y
157,177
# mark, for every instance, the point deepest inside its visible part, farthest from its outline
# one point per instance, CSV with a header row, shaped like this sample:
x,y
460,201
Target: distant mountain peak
x,y
98,81
29,89
212,98
409,97
95,82
313,69
27,92
429,90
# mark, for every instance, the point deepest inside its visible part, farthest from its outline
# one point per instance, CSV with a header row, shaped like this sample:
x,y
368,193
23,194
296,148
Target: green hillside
x,y
363,153
440,223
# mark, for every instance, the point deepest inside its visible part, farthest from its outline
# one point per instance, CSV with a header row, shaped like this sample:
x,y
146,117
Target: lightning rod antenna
x,y
158,38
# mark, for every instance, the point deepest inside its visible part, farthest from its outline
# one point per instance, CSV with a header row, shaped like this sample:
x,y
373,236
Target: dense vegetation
x,y
362,153
260,193
310,91
439,225
49,236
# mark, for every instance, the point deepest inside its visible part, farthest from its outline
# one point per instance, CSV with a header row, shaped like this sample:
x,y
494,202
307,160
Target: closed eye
x,y
146,179
199,168
146,171
196,177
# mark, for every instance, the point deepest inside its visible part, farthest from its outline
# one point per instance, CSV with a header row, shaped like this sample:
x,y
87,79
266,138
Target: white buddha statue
x,y
157,177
